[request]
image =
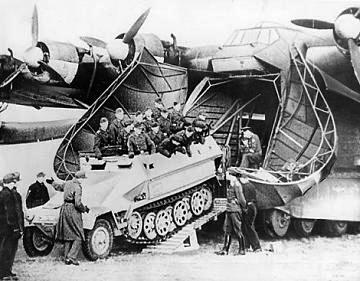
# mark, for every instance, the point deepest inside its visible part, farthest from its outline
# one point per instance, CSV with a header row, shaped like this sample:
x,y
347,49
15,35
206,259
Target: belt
x,y
69,201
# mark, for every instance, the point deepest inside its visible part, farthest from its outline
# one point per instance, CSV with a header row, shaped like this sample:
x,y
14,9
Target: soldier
x,y
70,225
11,226
37,194
139,142
250,234
155,134
139,117
124,136
235,203
176,118
164,122
199,131
186,139
158,106
116,126
101,138
251,149
148,120
169,146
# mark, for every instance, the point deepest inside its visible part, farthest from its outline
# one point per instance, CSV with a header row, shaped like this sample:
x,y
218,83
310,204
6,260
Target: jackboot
x,y
241,245
226,247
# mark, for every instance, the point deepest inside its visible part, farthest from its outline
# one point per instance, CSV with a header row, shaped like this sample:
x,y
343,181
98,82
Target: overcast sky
x,y
195,22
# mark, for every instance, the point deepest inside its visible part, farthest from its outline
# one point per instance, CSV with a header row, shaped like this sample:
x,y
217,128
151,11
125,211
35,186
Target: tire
x,y
98,241
334,228
36,244
303,227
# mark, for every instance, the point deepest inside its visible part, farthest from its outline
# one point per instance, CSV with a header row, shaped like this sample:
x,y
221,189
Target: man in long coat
x,y
70,226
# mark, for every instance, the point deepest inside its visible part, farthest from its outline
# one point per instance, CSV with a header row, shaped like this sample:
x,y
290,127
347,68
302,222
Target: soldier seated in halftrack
x,y
186,139
176,118
199,131
102,138
171,145
139,142
123,136
155,134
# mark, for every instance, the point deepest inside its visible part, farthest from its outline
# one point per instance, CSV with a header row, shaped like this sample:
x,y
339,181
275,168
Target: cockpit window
x,y
251,36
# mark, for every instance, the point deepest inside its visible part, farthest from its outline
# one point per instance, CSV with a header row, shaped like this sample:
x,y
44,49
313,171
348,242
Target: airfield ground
x,y
317,258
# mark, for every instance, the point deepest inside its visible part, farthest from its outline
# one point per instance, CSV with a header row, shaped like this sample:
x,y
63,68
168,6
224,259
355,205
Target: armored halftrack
x,y
128,197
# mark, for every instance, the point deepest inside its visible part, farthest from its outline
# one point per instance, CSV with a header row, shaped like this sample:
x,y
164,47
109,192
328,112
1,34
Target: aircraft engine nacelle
x,y
346,26
120,51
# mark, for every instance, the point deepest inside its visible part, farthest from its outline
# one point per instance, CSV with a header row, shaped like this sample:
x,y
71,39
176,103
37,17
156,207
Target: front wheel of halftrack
x,y
98,241
303,227
35,242
334,228
276,223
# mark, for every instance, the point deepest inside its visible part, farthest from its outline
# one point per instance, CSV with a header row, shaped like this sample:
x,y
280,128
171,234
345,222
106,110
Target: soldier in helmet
x,y
186,139
11,222
158,106
199,131
164,122
116,126
176,118
102,139
124,136
155,134
139,142
171,145
251,149
235,204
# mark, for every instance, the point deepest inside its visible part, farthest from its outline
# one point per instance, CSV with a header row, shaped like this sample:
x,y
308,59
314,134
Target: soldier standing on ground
x,y
37,194
102,138
11,222
233,216
116,125
70,225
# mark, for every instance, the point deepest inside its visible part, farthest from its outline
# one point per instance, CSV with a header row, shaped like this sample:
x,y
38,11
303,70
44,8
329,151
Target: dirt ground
x,y
317,258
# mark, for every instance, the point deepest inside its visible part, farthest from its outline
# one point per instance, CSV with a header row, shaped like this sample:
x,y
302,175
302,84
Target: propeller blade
x,y
312,23
355,57
91,41
53,73
35,27
135,27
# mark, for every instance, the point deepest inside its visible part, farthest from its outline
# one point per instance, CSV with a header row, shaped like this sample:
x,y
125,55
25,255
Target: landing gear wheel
x,y
35,242
334,228
180,213
98,241
197,203
303,227
207,194
162,223
135,225
149,226
170,210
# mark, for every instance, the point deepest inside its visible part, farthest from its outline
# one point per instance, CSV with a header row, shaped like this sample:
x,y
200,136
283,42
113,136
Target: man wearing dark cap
x,y
176,118
233,216
158,106
37,194
11,226
199,131
164,122
186,139
124,136
139,142
155,134
170,146
116,126
148,119
250,147
102,139
70,225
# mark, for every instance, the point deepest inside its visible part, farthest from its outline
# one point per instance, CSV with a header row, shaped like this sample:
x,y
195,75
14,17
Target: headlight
x,y
29,217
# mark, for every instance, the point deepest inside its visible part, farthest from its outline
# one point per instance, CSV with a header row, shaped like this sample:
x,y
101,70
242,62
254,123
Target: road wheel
x,y
162,223
36,243
98,241
135,225
334,228
180,213
197,203
207,194
303,227
149,226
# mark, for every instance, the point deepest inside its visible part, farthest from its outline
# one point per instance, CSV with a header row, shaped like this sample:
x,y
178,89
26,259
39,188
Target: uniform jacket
x,y
167,148
235,198
185,141
19,208
156,138
177,121
140,143
9,211
249,192
37,195
114,129
102,139
147,124
252,144
165,124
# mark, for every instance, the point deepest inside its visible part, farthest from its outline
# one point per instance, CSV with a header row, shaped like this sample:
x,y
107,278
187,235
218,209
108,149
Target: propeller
x,y
346,30
118,49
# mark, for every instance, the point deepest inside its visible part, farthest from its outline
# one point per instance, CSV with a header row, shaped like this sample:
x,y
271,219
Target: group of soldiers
x,y
154,130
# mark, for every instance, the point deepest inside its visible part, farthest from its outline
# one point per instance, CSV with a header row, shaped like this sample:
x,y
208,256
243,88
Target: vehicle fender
x,y
90,218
